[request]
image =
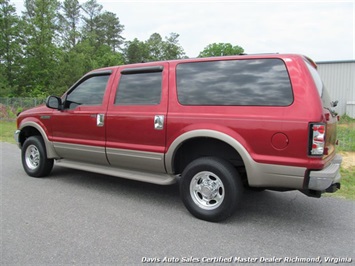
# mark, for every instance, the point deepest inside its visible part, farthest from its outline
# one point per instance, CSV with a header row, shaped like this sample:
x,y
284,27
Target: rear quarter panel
x,y
255,126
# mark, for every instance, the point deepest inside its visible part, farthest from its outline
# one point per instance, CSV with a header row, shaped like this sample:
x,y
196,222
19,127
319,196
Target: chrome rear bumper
x,y
323,179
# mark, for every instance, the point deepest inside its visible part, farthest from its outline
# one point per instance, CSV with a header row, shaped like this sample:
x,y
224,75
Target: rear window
x,y
256,82
323,93
317,79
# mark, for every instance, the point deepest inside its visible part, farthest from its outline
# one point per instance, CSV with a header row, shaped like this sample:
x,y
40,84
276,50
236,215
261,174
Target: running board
x,y
154,178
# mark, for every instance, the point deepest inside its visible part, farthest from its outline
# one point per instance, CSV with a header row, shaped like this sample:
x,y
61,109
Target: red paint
x,y
272,135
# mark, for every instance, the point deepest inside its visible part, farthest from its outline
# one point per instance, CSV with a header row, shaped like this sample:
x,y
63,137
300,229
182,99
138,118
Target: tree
x,y
135,51
220,49
101,28
108,30
55,42
153,49
40,50
68,21
171,47
91,11
10,49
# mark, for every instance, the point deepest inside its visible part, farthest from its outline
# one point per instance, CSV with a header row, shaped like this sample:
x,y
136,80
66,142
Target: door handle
x,y
100,119
159,122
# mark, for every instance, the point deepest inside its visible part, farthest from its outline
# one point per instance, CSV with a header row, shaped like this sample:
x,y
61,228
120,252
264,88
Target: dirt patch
x,y
348,159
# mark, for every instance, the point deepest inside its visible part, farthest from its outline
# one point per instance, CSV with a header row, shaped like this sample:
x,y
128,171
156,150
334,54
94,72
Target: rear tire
x,y
34,157
211,188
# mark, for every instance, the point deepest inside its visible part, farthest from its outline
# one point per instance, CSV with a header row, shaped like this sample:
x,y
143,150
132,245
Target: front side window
x,y
139,89
90,92
253,82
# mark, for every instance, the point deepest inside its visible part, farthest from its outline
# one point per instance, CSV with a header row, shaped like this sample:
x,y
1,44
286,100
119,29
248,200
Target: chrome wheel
x,y
211,188
32,157
207,190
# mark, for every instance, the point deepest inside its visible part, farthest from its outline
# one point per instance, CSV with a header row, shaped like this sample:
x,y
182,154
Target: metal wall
x,y
339,78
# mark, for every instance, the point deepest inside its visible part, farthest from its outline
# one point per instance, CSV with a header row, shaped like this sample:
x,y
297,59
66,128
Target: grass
x,y
347,190
346,136
7,130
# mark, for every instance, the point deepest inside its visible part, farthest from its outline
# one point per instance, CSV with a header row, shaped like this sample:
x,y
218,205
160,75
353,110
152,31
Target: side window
x,y
90,92
253,82
139,88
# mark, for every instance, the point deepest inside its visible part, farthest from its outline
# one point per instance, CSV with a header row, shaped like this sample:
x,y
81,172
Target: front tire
x,y
211,188
34,157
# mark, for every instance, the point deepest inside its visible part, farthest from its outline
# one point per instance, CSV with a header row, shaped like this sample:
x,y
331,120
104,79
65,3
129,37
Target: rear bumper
x,y
323,179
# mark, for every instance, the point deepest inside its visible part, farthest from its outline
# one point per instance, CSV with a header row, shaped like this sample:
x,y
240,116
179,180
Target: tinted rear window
x,y
323,93
257,82
139,89
317,79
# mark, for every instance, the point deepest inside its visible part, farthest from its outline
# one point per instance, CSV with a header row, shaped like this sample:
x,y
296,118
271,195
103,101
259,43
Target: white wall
x,y
339,78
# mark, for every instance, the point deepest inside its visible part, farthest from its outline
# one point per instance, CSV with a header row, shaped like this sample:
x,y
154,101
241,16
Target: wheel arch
x,y
30,128
221,142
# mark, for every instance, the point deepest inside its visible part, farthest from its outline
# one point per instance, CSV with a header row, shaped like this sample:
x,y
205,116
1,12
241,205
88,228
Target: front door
x,y
79,129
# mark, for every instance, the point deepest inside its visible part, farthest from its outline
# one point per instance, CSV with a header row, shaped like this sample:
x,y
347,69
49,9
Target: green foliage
x,y
68,21
7,112
171,47
55,42
345,119
153,49
10,48
7,130
45,50
136,51
346,134
221,49
347,190
108,31
40,52
346,137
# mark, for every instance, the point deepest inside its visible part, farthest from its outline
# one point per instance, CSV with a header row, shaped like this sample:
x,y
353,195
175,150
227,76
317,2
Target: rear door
x,y
136,118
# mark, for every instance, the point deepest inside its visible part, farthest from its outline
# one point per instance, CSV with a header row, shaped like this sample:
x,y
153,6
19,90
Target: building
x,y
339,78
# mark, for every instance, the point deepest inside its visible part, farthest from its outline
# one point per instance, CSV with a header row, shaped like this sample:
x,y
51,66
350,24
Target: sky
x,y
322,30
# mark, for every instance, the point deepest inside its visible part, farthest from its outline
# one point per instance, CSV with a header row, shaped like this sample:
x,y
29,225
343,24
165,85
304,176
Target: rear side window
x,y
139,89
256,82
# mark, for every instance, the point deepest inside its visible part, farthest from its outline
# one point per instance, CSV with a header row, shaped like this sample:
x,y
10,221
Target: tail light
x,y
317,139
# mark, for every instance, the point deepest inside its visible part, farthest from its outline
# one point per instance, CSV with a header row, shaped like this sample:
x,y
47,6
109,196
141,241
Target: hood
x,y
42,109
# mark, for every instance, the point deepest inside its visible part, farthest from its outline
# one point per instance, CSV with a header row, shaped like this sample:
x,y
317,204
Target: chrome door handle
x,y
100,118
159,122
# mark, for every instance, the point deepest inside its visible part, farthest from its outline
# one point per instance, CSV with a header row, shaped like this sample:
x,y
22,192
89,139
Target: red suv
x,y
217,125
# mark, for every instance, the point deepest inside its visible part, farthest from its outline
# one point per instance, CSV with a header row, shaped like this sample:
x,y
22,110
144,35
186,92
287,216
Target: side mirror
x,y
54,102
